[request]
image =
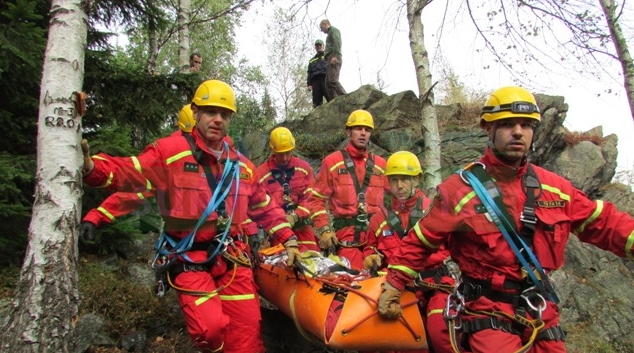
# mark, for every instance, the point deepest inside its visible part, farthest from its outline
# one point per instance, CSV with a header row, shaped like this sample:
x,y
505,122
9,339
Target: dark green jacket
x,y
333,42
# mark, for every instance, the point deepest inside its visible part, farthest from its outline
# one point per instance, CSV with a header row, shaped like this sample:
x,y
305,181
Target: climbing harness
x,y
361,220
168,249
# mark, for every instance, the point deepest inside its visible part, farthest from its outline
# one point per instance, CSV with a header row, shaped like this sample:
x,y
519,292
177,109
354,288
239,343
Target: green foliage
x,y
120,91
126,306
22,42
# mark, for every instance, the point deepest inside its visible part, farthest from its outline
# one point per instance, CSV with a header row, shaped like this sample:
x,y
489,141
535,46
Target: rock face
x,y
594,285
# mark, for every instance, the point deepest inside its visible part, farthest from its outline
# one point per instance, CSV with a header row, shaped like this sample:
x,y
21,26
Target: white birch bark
x,y
622,51
45,304
183,35
431,153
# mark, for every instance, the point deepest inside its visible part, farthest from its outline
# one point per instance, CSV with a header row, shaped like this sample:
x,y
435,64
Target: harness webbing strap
x,y
369,167
359,188
503,221
395,222
283,177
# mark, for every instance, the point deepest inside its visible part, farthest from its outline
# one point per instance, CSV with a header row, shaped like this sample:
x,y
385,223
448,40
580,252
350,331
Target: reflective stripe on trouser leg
x,y
241,304
205,319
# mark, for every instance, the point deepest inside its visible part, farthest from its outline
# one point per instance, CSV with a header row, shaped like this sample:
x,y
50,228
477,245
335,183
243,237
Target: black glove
x,y
87,233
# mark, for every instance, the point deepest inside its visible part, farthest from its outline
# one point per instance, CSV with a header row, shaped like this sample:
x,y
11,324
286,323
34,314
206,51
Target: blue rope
x,y
498,218
181,247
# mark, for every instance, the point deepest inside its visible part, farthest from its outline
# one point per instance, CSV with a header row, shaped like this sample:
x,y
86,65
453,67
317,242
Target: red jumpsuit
x,y
227,319
384,240
117,205
487,261
300,183
123,203
334,185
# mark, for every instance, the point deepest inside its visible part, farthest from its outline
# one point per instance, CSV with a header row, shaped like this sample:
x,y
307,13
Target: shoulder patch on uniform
x,y
245,176
387,232
191,167
342,171
377,172
154,144
551,204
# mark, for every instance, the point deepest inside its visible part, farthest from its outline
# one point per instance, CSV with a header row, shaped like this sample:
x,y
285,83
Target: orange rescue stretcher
x,y
340,310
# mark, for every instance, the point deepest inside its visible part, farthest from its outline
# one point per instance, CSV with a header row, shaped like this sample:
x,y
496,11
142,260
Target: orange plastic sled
x,y
357,326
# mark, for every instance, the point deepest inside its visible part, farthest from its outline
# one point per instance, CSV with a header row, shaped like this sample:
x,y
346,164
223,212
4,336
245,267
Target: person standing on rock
x,y
316,74
334,60
508,222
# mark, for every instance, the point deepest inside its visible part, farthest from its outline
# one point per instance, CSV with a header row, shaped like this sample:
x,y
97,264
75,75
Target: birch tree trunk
x,y
46,298
154,51
183,35
429,121
622,51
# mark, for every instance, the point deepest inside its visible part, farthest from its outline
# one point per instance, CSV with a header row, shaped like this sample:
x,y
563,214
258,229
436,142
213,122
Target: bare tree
x,y
620,44
571,34
46,298
429,120
183,35
286,62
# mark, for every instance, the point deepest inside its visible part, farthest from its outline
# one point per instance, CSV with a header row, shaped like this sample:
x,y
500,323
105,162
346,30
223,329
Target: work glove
x,y
327,239
87,233
292,251
371,261
292,218
390,302
89,165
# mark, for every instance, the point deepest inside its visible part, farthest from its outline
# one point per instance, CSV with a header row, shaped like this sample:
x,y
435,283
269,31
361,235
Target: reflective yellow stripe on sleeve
x,y
597,212
248,170
402,268
106,213
264,177
262,204
628,246
555,190
279,226
178,156
302,170
422,238
108,182
378,231
335,166
464,201
303,209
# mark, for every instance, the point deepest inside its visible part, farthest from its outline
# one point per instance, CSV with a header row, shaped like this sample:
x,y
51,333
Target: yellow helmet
x,y
214,93
281,140
510,102
403,163
360,118
186,119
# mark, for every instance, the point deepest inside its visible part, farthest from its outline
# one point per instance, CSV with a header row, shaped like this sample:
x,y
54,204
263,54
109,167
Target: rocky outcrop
x,y
594,285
